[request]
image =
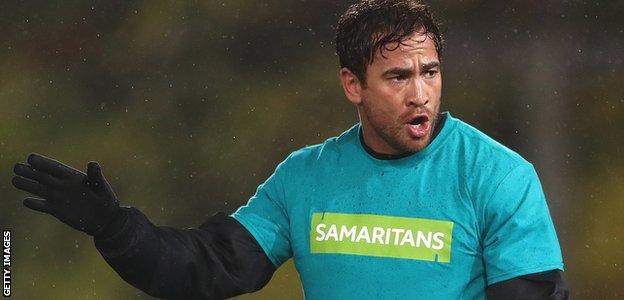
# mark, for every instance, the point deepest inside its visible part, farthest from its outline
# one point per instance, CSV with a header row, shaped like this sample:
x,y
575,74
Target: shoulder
x,y
483,163
484,153
483,145
327,151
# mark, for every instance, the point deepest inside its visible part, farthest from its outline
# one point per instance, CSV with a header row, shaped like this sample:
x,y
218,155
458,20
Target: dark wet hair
x,y
370,25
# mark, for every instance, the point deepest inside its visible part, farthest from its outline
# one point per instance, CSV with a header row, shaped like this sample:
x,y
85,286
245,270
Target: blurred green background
x,y
190,105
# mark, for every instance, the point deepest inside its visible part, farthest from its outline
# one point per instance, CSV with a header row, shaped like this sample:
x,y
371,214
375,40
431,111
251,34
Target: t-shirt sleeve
x,y
519,235
266,218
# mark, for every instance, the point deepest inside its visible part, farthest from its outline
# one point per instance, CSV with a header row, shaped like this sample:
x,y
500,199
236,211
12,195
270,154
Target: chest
x,y
416,219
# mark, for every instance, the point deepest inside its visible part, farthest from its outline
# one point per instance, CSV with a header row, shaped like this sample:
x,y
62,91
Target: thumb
x,y
96,179
94,175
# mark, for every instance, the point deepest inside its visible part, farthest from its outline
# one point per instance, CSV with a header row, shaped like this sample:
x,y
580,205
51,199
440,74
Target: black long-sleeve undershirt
x,y
221,259
548,285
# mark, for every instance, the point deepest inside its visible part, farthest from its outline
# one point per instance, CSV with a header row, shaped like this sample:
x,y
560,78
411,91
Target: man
x,y
408,203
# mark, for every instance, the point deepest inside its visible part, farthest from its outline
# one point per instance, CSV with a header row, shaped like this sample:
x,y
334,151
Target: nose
x,y
417,95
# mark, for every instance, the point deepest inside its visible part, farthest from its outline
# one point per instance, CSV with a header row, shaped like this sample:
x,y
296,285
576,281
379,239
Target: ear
x,y
351,85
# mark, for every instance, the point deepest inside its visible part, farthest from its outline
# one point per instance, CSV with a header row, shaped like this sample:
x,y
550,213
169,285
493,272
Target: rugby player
x,y
408,203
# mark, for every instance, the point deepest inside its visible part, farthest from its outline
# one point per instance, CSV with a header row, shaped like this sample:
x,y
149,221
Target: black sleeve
x,y
545,285
217,260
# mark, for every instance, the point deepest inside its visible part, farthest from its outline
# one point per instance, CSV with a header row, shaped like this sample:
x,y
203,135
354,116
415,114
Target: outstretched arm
x,y
219,259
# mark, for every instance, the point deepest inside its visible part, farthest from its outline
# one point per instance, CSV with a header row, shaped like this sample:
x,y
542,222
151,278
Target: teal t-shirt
x,y
443,223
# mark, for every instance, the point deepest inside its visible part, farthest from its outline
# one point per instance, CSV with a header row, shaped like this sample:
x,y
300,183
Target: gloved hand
x,y
83,201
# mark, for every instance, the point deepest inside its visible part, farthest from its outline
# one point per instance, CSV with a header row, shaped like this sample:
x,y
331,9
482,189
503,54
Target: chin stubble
x,y
401,140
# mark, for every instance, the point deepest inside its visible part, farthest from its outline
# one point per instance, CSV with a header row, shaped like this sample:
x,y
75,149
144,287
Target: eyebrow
x,y
430,65
398,71
408,71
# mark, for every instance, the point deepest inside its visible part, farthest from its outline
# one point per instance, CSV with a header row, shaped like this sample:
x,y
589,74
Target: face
x,y
399,104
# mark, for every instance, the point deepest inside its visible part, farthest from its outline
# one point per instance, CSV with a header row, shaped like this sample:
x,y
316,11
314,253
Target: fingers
x,y
29,185
37,204
27,171
51,166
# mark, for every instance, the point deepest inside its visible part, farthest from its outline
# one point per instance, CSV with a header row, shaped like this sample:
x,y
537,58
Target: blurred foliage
x,y
190,105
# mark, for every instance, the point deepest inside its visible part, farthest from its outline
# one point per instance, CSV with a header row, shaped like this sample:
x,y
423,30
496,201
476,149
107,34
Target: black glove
x,y
83,201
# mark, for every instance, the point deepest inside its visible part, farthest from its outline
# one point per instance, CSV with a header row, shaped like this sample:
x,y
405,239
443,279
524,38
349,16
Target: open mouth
x,y
419,120
418,126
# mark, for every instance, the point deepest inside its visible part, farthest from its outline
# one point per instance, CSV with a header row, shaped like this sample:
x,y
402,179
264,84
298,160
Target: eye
x,y
430,73
399,78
